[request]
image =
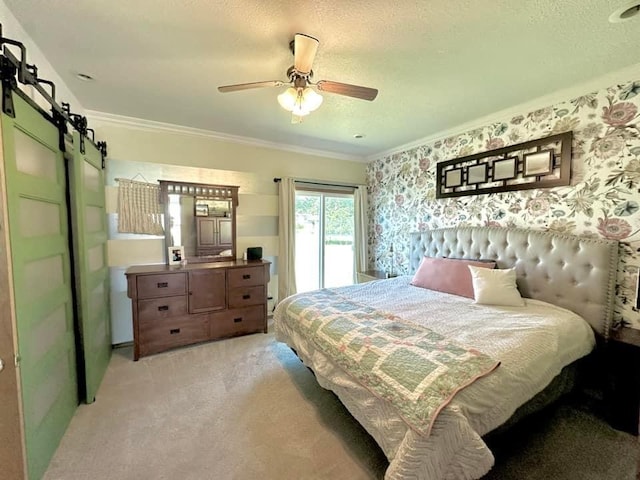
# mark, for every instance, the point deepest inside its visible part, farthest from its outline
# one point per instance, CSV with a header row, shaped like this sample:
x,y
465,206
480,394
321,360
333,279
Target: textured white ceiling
x,y
437,63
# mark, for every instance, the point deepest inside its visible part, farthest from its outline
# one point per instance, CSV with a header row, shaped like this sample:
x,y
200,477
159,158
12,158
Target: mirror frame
x,y
200,190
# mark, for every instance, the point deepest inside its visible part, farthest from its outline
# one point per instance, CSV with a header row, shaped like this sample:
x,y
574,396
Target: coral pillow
x,y
448,275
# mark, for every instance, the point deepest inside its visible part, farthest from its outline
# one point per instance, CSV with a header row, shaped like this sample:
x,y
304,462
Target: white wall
x,y
155,154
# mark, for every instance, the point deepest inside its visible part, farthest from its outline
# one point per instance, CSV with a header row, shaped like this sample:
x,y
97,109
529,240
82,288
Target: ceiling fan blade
x,y
304,51
363,93
247,86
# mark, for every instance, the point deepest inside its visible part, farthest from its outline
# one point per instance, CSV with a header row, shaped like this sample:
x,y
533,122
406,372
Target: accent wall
x,y
603,199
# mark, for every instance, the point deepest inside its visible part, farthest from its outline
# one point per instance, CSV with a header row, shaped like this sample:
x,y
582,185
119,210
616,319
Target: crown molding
x,y
154,126
623,75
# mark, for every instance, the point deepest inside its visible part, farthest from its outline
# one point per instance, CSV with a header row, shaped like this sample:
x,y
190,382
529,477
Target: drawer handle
x,y
246,276
246,297
163,284
237,320
163,308
173,331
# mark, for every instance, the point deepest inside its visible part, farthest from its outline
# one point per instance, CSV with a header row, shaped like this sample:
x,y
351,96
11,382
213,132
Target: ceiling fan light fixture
x,y
311,99
287,99
300,111
300,101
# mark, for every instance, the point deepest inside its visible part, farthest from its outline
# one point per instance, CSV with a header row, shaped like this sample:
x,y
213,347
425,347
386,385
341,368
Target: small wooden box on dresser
x,y
180,305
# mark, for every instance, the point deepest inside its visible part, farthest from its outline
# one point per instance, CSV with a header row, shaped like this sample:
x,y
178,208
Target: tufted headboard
x,y
575,273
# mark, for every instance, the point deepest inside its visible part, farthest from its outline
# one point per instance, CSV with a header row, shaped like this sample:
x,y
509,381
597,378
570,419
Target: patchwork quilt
x,y
414,368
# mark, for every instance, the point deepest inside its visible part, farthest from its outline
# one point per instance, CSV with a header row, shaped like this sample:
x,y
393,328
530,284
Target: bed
x,y
512,357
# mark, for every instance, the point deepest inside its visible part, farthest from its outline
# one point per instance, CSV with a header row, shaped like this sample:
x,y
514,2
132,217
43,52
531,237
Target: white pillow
x,y
495,287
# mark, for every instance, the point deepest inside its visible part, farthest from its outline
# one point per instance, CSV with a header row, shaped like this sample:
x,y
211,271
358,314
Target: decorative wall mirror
x,y
201,218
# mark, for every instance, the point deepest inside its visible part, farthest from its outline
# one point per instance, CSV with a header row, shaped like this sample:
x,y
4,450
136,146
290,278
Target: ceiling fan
x,y
300,99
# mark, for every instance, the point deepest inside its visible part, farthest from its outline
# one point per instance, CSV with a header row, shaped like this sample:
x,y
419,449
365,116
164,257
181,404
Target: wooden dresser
x,y
180,305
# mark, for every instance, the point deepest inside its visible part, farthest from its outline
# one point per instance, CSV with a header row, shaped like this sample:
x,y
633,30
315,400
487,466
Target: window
x,y
324,238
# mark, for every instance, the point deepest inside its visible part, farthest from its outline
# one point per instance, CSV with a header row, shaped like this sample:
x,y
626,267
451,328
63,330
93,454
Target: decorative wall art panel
x,y
545,162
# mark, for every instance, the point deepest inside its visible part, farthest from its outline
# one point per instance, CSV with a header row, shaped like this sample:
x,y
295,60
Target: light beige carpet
x,y
246,408
242,408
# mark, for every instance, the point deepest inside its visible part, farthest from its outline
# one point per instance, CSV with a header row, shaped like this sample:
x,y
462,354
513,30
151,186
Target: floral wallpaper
x,y
603,199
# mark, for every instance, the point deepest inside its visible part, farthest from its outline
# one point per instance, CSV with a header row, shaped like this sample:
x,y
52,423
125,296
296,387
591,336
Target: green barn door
x,y
86,179
38,234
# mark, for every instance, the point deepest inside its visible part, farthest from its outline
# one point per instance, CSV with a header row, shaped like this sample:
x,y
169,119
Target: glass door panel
x,y
324,240
308,235
338,240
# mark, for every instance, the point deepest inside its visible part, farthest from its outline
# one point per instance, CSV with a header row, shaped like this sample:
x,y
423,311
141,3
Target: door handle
x,y
1,365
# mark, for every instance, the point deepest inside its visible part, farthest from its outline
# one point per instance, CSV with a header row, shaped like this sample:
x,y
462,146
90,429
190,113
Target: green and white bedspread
x,y
533,344
414,368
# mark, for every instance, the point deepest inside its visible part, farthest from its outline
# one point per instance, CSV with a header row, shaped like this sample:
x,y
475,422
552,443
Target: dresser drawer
x,y
238,322
153,309
162,285
162,334
247,276
243,297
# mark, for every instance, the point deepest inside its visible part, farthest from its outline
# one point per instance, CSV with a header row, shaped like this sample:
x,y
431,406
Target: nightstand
x,y
370,275
622,393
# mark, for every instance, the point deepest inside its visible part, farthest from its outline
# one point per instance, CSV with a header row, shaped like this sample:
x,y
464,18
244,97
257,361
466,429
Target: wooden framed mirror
x,y
201,218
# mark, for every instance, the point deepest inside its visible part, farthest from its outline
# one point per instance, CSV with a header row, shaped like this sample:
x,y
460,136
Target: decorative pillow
x,y
448,275
495,287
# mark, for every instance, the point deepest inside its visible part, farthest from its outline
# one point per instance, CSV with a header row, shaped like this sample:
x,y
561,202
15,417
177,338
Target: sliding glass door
x,y
324,239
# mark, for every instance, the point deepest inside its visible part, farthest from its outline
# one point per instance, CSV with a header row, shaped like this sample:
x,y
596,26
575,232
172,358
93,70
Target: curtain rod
x,y
277,180
133,179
